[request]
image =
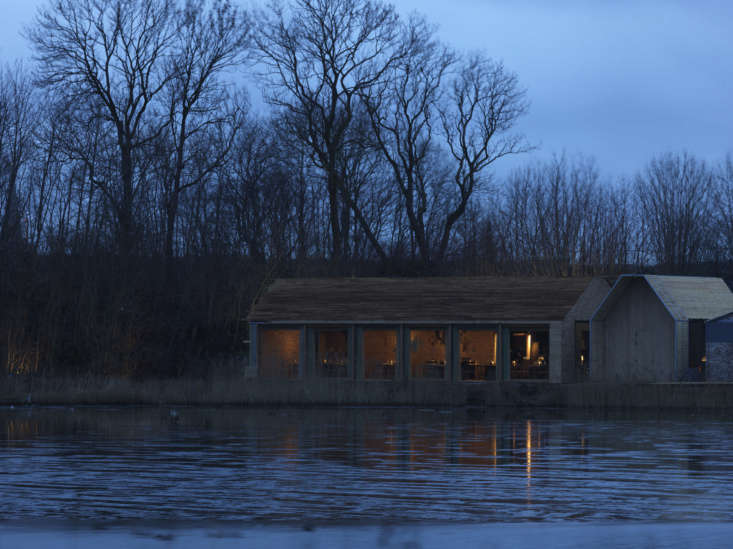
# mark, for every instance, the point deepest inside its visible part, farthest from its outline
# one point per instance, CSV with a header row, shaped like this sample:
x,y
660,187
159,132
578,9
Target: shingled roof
x,y
418,299
685,297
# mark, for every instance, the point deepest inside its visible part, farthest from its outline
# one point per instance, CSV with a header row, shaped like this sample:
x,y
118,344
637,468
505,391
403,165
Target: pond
x,y
361,469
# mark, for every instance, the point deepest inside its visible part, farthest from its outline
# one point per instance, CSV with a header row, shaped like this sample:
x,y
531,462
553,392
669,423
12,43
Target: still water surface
x,y
362,466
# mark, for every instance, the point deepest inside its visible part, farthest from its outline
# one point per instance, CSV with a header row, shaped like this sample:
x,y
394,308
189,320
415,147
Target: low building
x,y
451,330
719,348
651,328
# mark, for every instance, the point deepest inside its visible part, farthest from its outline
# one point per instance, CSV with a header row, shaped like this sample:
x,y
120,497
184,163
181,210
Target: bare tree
x,y
608,244
321,56
46,172
724,208
438,111
485,103
558,218
404,111
17,119
211,39
252,191
83,214
674,193
117,52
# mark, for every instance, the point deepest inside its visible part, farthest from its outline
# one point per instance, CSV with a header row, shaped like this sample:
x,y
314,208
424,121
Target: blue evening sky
x,y
620,80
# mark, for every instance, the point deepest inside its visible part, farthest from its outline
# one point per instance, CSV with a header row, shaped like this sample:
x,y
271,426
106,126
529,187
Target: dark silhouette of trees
x,y
405,118
146,199
207,43
558,218
675,195
723,217
112,52
17,113
485,102
321,57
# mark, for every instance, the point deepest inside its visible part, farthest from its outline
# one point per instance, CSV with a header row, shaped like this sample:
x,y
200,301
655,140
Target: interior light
x,y
493,359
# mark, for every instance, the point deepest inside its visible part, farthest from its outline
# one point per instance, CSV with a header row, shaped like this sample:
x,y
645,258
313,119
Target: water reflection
x,y
529,451
360,464
477,443
19,429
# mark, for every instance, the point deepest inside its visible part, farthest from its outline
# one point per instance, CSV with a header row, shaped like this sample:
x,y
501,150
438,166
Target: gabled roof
x,y
418,299
728,317
684,297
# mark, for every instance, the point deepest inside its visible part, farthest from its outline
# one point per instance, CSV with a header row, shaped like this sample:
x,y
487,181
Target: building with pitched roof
x,y
651,328
418,330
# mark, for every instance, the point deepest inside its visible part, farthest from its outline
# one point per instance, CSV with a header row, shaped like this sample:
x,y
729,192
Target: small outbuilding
x,y
719,348
424,329
651,328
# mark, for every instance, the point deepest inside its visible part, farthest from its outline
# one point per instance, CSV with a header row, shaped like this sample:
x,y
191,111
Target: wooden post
x,y
302,352
454,361
406,370
505,364
555,358
354,367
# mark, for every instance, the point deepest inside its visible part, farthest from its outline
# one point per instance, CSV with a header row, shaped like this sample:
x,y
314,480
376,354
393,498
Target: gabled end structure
x,y
651,328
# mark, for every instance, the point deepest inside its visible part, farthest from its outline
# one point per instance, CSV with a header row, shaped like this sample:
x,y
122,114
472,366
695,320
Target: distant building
x,y
425,329
719,348
651,328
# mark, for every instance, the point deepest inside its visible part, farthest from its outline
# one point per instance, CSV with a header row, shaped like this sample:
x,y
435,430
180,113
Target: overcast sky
x,y
620,80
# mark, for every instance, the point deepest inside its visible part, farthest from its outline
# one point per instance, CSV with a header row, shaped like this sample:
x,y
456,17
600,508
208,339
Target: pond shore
x,y
243,391
424,536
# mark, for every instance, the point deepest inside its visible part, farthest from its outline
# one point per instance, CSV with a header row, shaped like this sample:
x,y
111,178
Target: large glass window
x,y
427,353
279,352
380,353
332,353
478,354
529,354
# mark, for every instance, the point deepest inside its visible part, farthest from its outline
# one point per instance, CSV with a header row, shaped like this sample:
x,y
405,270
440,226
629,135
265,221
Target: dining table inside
x,y
478,371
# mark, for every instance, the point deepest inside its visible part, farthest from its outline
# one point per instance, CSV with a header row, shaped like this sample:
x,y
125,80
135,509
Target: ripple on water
x,y
360,464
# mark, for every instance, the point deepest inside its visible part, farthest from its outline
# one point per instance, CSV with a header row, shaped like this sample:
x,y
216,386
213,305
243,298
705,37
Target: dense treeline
x,y
144,201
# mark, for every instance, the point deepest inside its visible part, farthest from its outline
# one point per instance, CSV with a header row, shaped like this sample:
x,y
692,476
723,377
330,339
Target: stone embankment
x,y
244,391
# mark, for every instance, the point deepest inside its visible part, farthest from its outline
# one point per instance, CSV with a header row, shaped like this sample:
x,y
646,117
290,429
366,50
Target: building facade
x,y
440,330
651,328
719,348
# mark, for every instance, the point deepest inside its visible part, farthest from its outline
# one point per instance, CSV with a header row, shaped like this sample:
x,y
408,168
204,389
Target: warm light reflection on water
x,y
361,464
18,429
529,451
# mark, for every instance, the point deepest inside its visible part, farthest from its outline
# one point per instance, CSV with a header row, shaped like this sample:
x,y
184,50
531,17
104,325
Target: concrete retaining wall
x,y
247,392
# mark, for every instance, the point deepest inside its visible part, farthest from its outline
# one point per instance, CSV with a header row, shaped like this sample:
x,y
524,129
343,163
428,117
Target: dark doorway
x,y
696,371
582,348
